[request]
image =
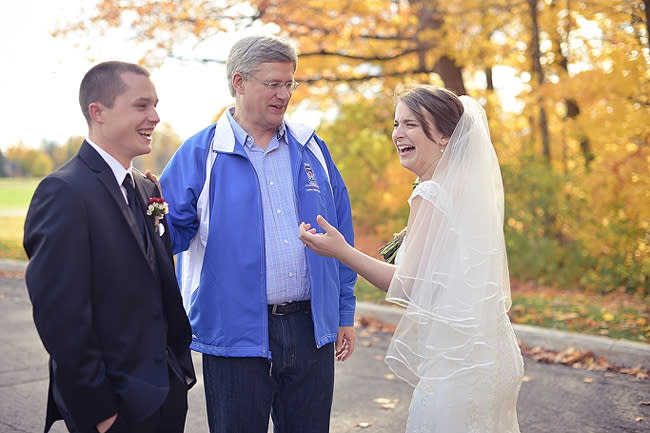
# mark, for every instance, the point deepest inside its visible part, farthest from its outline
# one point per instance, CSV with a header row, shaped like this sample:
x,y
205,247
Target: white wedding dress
x,y
455,343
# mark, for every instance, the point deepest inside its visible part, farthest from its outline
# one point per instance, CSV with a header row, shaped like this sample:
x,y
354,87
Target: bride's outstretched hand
x,y
331,243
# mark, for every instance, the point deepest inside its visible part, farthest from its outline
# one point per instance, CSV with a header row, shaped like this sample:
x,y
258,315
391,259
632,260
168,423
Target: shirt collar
x,y
242,136
118,170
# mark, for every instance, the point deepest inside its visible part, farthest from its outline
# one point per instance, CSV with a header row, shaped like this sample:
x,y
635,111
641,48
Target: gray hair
x,y
247,54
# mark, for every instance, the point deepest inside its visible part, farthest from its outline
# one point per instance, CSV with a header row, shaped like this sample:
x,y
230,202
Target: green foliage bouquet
x,y
389,251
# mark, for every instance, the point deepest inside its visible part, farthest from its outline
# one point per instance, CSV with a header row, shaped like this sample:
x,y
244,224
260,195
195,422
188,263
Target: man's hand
x,y
103,426
345,342
152,177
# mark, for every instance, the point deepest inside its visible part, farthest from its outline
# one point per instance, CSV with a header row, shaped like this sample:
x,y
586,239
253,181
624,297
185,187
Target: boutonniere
x,y
158,208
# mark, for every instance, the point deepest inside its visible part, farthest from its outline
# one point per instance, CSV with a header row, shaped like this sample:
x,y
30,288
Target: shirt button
x,y
291,274
286,241
271,183
278,211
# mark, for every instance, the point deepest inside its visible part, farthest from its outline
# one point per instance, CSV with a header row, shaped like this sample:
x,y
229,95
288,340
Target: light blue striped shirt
x,y
286,268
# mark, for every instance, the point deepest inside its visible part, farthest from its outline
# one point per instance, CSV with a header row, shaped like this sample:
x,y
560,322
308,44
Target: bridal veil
x,y
452,271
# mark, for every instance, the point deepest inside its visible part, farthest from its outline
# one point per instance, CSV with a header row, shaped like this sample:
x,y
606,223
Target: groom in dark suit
x,y
101,277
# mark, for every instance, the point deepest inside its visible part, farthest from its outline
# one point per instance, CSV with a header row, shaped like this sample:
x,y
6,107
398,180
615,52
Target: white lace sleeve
x,y
433,193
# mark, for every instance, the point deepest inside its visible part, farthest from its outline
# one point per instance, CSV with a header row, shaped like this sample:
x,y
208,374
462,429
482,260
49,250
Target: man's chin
x,y
143,149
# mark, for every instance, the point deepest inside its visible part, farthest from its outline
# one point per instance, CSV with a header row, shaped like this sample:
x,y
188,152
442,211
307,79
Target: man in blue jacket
x,y
268,314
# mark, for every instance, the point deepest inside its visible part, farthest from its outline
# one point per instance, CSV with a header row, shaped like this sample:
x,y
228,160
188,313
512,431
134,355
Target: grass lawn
x,y
617,315
16,192
11,237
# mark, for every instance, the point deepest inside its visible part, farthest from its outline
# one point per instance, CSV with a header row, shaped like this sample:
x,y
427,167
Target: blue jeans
x,y
296,387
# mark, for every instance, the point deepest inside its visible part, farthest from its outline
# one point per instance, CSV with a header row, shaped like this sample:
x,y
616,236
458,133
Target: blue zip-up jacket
x,y
226,300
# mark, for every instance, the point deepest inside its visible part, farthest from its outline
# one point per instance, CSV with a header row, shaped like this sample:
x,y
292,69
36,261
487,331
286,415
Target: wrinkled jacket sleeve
x,y
347,277
182,181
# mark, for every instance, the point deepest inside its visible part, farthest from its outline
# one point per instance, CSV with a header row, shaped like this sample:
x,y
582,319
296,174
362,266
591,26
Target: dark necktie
x,y
133,205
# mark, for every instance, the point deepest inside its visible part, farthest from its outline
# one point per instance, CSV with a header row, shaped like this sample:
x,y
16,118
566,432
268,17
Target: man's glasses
x,y
275,86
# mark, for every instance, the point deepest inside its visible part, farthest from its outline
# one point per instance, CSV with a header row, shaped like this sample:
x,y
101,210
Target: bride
x,y
454,343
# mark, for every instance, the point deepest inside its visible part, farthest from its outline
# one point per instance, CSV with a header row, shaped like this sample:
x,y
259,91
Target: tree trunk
x,y
646,4
539,72
451,74
489,79
445,66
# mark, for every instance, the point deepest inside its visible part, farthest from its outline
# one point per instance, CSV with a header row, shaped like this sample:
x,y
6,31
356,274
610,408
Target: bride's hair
x,y
430,103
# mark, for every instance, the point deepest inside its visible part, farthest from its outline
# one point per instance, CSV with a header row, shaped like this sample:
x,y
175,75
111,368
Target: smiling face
x,y
417,152
259,108
124,130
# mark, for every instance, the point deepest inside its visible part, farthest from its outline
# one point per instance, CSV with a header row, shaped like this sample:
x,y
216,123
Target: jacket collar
x,y
224,138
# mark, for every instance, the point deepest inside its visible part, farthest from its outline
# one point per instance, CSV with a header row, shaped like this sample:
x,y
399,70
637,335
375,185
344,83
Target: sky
x,y
40,76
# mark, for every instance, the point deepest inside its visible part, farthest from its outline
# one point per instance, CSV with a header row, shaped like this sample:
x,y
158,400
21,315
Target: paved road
x,y
553,399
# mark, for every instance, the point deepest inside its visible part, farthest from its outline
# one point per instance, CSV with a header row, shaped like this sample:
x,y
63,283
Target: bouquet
x,y
389,251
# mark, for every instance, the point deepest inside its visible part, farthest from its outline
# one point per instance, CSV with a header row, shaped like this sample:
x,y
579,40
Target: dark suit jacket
x,y
109,314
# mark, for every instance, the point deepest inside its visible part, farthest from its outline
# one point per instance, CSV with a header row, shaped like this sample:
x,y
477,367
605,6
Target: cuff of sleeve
x,y
346,318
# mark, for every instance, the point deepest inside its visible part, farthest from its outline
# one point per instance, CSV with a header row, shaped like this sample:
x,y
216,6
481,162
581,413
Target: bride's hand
x,y
331,243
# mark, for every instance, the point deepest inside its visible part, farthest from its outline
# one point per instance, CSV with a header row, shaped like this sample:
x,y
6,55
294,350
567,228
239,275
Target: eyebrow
x,y
145,99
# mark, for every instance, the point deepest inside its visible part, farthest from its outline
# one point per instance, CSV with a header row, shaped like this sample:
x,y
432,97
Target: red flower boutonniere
x,y
158,208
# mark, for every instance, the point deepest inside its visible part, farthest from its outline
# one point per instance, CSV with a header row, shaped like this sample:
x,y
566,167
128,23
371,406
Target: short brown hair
x,y
103,83
443,105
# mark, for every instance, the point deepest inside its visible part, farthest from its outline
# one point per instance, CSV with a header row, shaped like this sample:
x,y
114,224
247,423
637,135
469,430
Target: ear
x,y
238,82
445,141
96,111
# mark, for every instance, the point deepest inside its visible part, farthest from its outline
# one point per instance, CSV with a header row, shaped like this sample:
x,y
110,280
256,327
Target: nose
x,y
153,116
397,132
283,93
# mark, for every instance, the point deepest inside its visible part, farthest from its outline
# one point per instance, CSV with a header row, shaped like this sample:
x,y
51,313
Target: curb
x,y
621,353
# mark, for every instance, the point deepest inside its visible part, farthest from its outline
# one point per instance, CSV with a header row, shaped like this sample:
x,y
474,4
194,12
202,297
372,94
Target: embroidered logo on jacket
x,y
311,185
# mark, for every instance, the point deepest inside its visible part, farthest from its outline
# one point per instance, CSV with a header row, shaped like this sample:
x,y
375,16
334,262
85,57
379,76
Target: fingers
x,y
345,343
323,223
152,177
344,351
304,231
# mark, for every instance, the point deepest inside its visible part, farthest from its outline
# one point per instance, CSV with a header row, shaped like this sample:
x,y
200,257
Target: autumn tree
x,y
573,139
30,162
164,143
3,165
63,153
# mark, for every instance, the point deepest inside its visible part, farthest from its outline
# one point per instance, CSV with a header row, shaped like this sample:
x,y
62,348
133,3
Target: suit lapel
x,y
142,194
105,175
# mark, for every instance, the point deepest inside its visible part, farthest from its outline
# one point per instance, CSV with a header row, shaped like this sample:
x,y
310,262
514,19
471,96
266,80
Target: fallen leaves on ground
x,y
372,324
386,403
580,359
369,325
16,275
